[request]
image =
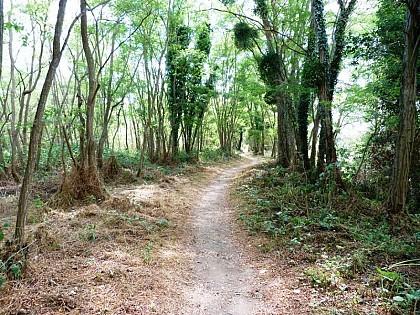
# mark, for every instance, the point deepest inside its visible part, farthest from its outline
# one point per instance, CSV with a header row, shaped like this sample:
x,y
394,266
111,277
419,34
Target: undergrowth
x,y
343,236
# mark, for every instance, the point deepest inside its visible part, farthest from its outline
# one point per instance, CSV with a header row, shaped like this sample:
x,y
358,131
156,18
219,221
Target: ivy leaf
x,y
414,295
398,299
1,235
2,266
16,270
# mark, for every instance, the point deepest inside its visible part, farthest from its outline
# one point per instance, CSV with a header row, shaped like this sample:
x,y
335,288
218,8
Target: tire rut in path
x,y
223,282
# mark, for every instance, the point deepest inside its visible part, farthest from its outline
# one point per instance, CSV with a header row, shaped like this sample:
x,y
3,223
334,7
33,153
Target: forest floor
x,y
169,246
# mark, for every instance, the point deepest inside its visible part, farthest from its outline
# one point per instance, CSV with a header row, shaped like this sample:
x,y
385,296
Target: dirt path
x,y
224,283
171,247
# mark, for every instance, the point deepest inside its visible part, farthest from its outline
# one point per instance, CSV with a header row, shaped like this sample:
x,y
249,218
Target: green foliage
x,y
319,278
126,158
162,223
228,2
208,155
396,286
261,8
16,271
89,233
245,36
184,157
344,241
12,259
38,203
203,39
269,68
147,252
11,270
16,27
188,90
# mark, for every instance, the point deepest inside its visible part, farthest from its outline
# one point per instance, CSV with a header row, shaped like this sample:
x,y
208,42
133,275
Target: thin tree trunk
x,y
92,91
108,103
25,98
314,136
35,138
1,36
12,96
1,72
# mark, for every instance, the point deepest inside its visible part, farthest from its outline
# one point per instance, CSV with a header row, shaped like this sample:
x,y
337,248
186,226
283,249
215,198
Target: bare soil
x,y
172,247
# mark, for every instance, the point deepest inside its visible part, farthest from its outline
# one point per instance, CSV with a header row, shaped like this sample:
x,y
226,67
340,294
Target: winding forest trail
x,y
224,283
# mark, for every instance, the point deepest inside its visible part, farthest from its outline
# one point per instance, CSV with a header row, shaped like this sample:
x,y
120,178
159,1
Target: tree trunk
x,y
306,99
407,116
107,112
282,158
35,138
25,98
12,96
330,65
1,36
93,89
314,137
1,73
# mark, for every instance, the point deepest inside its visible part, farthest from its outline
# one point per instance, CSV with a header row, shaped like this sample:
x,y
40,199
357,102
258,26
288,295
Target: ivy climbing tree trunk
x,y
35,137
306,97
273,73
407,116
179,38
329,63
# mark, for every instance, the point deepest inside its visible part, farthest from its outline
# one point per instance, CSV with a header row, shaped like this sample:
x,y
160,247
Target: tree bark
x,y
13,129
92,91
108,109
2,164
1,36
35,138
407,116
330,65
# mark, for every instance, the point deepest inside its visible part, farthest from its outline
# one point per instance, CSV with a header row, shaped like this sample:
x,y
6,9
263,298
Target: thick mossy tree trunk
x,y
408,114
306,98
179,39
35,138
282,158
273,73
329,68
